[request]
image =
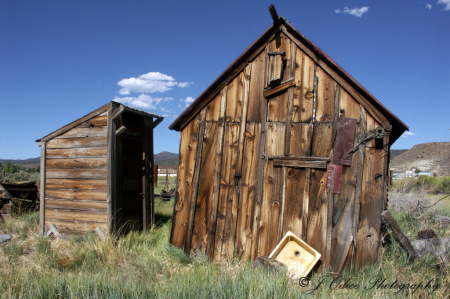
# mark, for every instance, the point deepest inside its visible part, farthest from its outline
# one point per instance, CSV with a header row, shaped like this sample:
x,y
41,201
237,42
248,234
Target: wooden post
x,y
167,180
399,235
110,169
117,212
147,205
42,190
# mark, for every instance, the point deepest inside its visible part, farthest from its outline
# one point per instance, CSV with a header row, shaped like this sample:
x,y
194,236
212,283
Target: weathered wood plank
x,y
76,194
368,238
275,139
75,215
325,97
76,184
278,88
300,164
247,187
304,158
301,139
234,99
322,141
293,212
260,170
245,101
287,137
268,209
359,180
94,205
217,172
77,173
256,88
76,163
75,226
228,201
77,142
317,211
305,208
213,108
277,107
201,219
303,96
186,167
349,107
77,152
84,132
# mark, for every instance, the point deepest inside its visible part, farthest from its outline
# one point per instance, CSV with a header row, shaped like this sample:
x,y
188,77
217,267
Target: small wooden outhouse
x,y
283,140
98,172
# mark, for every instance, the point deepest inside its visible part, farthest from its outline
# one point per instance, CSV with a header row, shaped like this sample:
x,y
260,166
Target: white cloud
x,y
429,6
406,134
337,11
150,83
358,12
188,100
446,3
185,84
142,101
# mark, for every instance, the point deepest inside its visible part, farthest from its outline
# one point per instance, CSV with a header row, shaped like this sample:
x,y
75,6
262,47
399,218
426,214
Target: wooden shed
x,y
98,172
265,150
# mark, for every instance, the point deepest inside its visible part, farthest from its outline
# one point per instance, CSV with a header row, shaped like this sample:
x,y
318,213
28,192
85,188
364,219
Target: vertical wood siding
x,y
245,204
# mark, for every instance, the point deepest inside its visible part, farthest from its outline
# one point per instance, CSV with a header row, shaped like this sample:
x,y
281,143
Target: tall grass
x,y
145,265
430,184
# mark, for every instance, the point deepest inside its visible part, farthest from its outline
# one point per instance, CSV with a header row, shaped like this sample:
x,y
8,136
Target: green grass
x,y
145,265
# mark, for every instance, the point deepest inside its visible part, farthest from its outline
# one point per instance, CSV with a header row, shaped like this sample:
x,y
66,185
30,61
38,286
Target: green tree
x,y
9,167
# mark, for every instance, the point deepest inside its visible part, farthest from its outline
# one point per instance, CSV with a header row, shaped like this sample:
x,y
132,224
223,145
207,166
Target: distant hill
x,y
395,153
165,155
26,161
427,157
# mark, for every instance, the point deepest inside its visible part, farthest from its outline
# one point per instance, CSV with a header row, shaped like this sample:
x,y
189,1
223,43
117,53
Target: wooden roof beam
x,y
273,13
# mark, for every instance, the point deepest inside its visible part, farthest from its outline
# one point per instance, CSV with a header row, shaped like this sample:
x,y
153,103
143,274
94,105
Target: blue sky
x,y
60,60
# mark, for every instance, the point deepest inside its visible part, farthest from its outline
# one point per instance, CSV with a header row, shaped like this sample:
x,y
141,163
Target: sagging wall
x,y
76,178
253,165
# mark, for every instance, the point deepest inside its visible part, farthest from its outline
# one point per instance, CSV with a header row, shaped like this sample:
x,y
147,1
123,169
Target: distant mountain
x,y
164,156
25,161
166,159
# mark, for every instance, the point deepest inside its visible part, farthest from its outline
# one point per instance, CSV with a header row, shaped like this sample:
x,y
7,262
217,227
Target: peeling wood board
x,y
349,107
83,132
256,97
74,215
